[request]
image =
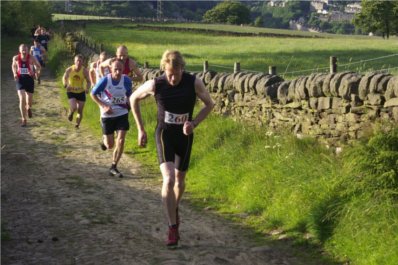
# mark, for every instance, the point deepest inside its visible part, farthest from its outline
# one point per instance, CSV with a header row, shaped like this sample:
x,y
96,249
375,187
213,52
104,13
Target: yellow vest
x,y
76,80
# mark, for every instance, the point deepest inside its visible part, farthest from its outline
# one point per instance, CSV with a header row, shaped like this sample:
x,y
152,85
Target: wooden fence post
x,y
272,70
333,65
237,67
205,66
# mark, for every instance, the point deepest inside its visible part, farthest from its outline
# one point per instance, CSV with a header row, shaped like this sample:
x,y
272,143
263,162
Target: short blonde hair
x,y
173,58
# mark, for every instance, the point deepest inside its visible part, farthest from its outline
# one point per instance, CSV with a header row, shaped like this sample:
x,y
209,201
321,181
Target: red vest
x,y
127,69
24,67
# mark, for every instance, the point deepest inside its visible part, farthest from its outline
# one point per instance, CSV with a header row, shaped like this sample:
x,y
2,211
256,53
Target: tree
x,y
19,16
378,17
230,12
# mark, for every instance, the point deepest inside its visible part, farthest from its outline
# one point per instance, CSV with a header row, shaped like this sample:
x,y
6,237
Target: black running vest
x,y
175,103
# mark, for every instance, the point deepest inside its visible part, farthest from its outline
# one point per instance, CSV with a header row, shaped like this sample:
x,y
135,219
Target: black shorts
x,y
26,83
119,123
173,145
77,96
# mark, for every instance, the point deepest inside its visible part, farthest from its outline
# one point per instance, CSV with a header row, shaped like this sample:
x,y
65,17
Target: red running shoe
x,y
172,239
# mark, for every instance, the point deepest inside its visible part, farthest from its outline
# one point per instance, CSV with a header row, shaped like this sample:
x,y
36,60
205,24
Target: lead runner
x,y
175,93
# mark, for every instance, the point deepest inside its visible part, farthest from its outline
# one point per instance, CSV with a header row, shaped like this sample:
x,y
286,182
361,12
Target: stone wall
x,y
336,107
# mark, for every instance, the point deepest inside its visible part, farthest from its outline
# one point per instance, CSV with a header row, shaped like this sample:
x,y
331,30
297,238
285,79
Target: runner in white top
x,y
95,73
112,93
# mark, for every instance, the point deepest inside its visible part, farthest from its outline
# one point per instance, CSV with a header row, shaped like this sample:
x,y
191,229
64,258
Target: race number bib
x,y
36,53
119,100
24,71
173,118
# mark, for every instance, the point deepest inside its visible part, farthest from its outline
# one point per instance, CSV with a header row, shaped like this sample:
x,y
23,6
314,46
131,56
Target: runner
x,y
175,93
95,73
39,53
130,67
22,68
73,81
112,93
43,37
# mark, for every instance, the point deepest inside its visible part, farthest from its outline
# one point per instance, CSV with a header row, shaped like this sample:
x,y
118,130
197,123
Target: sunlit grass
x,y
278,182
291,56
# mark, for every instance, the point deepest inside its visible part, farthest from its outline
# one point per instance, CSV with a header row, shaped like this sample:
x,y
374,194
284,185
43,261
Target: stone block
x,y
375,99
336,102
349,85
282,92
313,103
394,113
326,85
335,83
324,103
363,88
393,102
315,87
301,91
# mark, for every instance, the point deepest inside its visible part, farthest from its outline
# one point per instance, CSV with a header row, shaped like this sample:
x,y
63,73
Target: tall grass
x,y
345,204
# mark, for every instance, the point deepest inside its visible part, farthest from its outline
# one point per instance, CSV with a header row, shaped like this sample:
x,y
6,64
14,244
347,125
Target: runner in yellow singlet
x,y
74,80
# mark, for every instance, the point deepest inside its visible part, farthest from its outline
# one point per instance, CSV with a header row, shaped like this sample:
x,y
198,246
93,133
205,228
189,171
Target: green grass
x,y
254,53
57,17
346,205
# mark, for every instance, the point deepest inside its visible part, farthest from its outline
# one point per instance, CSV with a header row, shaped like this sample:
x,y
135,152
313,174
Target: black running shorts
x,y
77,96
26,83
173,145
119,123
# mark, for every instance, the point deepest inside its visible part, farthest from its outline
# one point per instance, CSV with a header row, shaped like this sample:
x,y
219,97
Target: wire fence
x,y
318,69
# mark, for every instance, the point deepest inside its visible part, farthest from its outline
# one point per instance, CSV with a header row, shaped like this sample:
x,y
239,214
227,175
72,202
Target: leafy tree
x,y
279,17
259,22
231,12
378,17
19,16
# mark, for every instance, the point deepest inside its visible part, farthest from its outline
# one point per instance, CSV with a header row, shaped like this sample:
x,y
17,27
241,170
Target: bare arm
x,y
36,63
92,74
43,54
87,77
145,90
204,96
14,67
104,65
65,78
101,104
138,75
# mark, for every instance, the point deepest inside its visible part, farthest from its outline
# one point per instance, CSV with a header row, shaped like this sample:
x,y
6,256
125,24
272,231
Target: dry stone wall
x,y
336,107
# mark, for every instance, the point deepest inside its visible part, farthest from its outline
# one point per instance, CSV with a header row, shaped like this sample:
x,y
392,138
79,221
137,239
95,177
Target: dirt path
x,y
60,207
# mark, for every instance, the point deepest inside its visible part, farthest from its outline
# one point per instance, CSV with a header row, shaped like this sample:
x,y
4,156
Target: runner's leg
x,y
22,104
179,186
79,116
72,108
168,194
109,141
118,151
29,100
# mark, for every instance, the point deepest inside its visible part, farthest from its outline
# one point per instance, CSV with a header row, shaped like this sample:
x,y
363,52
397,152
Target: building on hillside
x,y
277,3
316,6
338,16
353,8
